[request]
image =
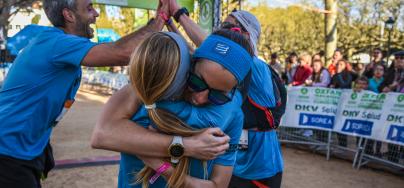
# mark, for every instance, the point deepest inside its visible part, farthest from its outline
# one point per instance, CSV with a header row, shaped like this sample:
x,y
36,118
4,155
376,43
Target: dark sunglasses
x,y
217,97
399,57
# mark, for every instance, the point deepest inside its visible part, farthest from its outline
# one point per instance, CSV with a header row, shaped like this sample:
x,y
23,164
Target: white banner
x,y
365,114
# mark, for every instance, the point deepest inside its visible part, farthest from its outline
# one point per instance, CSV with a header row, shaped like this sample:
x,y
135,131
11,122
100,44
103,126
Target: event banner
x,y
310,107
365,114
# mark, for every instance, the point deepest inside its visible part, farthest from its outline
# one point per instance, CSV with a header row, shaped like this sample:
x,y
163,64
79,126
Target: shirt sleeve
x,y
70,50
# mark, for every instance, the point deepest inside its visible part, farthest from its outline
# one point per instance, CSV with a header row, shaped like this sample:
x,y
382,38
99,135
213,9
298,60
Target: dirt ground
x,y
71,140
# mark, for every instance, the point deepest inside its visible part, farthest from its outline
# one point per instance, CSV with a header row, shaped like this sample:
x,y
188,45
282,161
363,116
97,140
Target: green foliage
x,y
359,27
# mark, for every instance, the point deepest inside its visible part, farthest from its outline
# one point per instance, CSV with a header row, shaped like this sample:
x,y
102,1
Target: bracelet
x,y
164,167
164,16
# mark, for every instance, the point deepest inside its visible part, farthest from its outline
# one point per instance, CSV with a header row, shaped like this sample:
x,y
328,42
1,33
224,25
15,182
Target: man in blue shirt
x,y
42,84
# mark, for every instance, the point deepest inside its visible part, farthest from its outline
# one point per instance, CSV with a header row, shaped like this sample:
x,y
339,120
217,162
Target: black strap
x,y
245,85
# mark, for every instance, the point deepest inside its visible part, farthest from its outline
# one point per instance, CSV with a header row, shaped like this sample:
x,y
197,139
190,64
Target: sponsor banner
x,y
310,107
365,114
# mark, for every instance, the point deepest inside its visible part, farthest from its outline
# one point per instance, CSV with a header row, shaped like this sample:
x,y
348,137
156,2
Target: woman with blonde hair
x,y
158,74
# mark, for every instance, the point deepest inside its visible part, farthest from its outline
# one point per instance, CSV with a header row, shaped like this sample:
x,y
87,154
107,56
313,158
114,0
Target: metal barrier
x,y
359,150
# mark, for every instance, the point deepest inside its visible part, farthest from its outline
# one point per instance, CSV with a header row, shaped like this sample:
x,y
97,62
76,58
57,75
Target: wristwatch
x,y
176,149
180,12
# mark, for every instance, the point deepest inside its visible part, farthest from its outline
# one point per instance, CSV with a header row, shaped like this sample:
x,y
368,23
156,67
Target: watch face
x,y
176,150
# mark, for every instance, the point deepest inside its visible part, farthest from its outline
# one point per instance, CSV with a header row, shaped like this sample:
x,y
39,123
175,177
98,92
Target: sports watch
x,y
180,12
176,149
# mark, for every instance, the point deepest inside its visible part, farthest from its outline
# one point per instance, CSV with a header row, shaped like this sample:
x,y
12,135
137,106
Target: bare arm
x,y
115,131
118,53
193,30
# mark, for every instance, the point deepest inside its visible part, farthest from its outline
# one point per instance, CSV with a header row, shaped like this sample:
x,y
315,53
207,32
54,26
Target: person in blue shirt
x,y
262,163
42,83
158,80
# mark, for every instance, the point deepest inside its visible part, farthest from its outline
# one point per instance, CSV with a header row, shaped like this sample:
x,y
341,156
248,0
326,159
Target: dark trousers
x,y
18,173
271,182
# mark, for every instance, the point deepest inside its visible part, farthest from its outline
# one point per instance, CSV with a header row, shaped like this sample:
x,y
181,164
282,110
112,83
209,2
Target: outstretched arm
x,y
193,30
118,53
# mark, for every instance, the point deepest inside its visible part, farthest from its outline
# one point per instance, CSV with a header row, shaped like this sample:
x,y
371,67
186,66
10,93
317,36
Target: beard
x,y
84,28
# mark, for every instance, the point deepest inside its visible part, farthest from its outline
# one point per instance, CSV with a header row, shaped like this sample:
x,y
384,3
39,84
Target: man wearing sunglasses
x,y
265,164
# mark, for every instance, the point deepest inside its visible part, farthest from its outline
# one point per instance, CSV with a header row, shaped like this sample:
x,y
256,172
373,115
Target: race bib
x,y
243,143
66,108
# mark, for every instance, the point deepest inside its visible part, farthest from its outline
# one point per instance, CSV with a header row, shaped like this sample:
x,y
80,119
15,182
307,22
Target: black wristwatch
x,y
180,12
176,149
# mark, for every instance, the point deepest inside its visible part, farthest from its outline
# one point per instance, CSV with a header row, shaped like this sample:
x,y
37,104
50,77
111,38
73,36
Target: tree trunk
x,y
4,16
217,7
330,29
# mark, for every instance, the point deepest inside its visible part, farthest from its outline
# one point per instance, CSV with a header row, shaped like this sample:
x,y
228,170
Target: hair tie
x,y
236,29
150,107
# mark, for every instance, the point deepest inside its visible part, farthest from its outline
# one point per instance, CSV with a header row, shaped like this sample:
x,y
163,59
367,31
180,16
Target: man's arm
x,y
118,53
193,30
115,131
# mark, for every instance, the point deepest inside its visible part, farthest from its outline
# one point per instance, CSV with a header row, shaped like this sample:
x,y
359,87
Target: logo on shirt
x,y
222,48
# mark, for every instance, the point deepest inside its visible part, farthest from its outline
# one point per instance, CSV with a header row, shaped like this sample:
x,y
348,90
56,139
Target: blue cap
x,y
227,53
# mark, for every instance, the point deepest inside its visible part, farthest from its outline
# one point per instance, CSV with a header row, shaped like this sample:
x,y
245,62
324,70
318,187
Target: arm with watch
x,y
115,131
227,118
222,166
181,16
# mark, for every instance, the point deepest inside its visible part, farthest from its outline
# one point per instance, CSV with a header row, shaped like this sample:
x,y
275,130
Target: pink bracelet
x,y
159,171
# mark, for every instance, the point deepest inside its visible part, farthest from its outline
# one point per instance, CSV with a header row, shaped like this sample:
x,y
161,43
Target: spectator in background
x,y
303,71
362,83
343,78
377,79
320,76
394,77
291,66
358,68
275,64
377,58
332,69
316,57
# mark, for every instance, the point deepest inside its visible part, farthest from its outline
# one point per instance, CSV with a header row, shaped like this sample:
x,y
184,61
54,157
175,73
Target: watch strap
x,y
180,12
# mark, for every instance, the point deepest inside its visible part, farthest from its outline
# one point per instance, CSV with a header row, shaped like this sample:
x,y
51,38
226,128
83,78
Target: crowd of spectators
x,y
376,76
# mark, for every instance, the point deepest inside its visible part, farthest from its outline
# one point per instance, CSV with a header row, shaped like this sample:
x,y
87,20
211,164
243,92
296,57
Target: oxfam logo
x,y
354,96
304,91
400,98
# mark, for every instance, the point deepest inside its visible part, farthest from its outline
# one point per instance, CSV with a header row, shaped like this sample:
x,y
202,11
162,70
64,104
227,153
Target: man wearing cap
x,y
250,169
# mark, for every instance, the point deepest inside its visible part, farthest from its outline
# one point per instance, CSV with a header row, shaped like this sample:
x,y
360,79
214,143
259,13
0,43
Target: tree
x,y
9,8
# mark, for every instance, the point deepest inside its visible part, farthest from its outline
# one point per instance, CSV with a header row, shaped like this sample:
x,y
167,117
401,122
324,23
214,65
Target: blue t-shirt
x,y
374,84
228,117
44,75
263,159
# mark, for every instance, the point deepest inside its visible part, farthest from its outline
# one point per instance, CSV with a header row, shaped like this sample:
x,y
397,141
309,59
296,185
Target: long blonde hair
x,y
153,67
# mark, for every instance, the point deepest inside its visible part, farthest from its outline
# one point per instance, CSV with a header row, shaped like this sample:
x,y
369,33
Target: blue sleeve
x,y
70,50
234,132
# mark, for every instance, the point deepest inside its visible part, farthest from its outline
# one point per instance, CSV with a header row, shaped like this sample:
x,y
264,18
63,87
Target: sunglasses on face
x,y
215,96
399,57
